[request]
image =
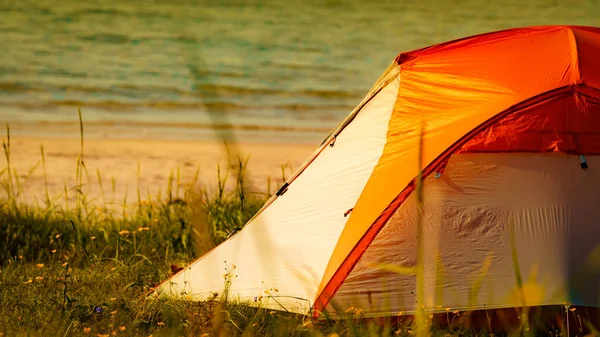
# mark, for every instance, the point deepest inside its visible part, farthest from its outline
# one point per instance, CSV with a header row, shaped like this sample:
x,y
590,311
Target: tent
x,y
504,128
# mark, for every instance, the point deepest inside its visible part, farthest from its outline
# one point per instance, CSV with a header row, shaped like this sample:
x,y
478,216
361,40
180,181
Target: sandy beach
x,y
158,159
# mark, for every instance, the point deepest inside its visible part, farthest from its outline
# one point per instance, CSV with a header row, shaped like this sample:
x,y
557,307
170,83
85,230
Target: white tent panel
x,y
288,245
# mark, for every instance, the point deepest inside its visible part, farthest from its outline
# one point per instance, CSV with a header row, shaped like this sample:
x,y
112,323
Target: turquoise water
x,y
268,70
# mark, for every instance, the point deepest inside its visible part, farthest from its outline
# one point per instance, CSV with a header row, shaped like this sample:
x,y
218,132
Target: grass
x,y
81,269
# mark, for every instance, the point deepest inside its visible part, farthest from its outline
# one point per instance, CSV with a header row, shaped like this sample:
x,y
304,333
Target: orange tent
x,y
520,90
505,129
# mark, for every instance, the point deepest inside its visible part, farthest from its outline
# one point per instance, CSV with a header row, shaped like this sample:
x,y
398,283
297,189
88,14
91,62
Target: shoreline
x,y
215,142
140,125
116,160
198,126
179,132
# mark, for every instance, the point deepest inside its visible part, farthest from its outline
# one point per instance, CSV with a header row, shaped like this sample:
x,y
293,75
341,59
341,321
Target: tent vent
x,y
583,162
348,212
333,141
438,175
282,190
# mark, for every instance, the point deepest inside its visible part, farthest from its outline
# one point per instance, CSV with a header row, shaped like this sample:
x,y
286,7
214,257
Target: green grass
x,y
82,268
66,268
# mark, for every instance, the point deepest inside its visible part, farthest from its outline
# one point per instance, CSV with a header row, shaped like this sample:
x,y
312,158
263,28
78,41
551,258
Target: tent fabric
x,y
545,199
453,90
538,125
547,126
499,115
286,245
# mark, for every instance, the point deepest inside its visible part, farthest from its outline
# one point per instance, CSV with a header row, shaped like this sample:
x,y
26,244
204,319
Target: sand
x,y
118,159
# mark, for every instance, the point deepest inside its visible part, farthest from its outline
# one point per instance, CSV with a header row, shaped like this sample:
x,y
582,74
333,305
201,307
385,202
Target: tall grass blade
x,y
139,195
99,177
524,317
423,328
9,186
46,193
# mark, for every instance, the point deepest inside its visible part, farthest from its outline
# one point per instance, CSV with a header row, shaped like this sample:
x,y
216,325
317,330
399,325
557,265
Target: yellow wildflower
x,y
87,330
53,251
57,236
122,328
161,323
39,278
28,281
124,232
40,265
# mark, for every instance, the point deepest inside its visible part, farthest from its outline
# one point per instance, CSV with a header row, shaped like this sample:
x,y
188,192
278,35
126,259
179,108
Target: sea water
x,y
282,71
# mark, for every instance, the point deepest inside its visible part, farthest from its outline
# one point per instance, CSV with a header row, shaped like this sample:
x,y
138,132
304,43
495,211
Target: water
x,y
268,70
